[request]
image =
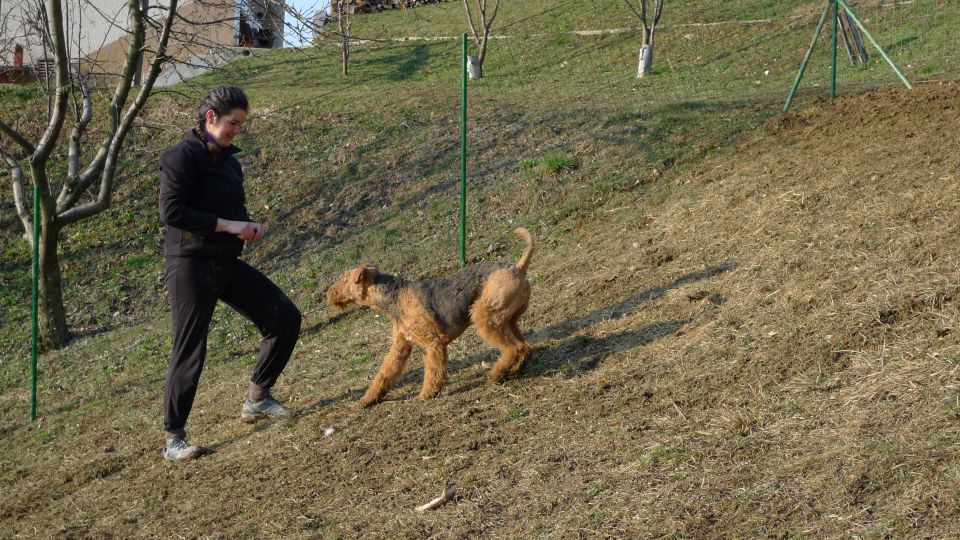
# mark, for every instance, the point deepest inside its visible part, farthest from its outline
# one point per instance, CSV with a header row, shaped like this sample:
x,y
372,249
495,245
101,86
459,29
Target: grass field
x,y
745,321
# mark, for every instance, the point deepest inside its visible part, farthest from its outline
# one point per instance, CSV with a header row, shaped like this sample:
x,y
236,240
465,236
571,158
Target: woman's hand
x,y
247,231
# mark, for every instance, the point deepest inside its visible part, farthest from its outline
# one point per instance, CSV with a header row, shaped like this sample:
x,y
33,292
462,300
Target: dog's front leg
x,y
390,369
434,370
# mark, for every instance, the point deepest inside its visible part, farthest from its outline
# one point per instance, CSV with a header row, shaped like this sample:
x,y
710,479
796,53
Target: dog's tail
x,y
524,261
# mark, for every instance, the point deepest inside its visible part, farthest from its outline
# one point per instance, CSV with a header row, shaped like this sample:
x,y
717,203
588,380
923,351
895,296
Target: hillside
x,y
745,321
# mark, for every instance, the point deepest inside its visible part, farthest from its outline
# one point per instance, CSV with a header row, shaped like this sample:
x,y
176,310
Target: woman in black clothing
x,y
202,204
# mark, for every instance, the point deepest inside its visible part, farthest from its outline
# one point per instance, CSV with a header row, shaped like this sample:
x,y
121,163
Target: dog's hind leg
x,y
390,369
504,298
497,334
525,349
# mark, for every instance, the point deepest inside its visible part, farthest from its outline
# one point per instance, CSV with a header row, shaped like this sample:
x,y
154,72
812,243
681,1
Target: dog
x,y
431,313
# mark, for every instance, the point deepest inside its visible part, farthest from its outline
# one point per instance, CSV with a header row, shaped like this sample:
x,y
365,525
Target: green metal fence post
x,y
35,310
463,152
876,45
806,58
833,67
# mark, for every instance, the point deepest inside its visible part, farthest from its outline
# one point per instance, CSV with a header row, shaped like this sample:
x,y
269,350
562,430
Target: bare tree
x,y
92,181
481,38
344,23
645,62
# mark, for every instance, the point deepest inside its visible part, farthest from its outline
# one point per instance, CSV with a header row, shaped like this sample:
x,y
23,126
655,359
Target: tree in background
x,y
344,23
85,188
486,21
645,63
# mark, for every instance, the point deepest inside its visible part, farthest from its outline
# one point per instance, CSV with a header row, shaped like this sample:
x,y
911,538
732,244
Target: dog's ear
x,y
356,276
364,275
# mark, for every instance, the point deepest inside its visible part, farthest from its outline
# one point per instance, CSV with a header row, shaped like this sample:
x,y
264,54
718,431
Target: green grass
x,y
558,164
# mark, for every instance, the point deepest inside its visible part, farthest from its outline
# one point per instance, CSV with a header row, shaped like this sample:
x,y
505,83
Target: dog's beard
x,y
336,301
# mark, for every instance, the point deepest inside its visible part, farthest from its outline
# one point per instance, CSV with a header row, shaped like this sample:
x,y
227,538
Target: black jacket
x,y
196,188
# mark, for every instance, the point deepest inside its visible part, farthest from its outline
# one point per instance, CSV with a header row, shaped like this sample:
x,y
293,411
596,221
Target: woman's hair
x,y
221,100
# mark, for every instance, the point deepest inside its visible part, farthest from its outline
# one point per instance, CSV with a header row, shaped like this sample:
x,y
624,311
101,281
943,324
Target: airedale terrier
x,y
432,313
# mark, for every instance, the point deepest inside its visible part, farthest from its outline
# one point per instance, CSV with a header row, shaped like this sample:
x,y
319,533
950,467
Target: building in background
x,y
97,40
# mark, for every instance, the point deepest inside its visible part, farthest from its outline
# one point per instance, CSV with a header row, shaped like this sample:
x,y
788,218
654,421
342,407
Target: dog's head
x,y
352,287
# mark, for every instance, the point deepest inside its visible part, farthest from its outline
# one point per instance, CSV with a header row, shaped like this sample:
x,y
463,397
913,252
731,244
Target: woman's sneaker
x,y
267,408
177,449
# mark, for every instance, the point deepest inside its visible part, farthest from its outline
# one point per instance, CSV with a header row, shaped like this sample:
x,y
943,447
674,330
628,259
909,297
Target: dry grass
x,y
764,345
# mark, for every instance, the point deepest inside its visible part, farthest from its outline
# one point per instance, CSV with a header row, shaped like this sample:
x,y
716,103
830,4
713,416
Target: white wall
x,y
14,30
90,25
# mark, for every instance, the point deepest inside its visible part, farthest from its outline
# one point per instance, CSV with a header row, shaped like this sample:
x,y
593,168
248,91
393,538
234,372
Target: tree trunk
x,y
474,67
645,63
53,319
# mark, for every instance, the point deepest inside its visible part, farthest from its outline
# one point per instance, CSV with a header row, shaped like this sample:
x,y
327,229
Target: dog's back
x,y
449,298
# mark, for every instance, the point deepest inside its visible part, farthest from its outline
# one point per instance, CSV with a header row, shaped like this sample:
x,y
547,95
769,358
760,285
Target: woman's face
x,y
224,128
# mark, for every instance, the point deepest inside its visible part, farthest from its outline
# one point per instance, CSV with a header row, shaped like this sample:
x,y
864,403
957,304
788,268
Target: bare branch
x,y
648,27
445,497
85,116
119,134
49,139
496,9
76,185
17,137
473,27
657,12
73,157
16,175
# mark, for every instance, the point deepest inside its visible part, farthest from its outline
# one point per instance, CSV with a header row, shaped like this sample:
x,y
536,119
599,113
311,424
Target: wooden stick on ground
x,y
444,497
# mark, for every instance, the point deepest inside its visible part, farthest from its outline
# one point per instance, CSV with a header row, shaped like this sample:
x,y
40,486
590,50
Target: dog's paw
x,y
424,396
365,402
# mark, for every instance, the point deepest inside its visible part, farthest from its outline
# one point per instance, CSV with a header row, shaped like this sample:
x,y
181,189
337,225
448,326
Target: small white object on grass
x,y
447,496
329,431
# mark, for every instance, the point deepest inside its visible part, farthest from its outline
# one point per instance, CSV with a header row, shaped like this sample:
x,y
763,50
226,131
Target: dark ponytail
x,y
221,100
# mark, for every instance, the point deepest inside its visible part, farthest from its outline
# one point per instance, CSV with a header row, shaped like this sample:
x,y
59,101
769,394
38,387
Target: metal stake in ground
x,y
35,309
463,152
834,6
876,45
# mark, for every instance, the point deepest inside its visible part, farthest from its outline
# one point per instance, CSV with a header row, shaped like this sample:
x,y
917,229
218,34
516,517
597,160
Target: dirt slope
x,y
763,346
820,397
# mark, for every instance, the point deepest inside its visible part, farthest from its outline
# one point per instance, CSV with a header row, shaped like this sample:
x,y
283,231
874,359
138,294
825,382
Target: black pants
x,y
194,285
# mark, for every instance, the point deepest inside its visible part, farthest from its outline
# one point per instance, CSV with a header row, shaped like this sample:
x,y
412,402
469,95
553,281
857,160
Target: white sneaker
x,y
266,408
177,449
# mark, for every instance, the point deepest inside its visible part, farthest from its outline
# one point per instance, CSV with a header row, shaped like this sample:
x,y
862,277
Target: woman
x,y
202,205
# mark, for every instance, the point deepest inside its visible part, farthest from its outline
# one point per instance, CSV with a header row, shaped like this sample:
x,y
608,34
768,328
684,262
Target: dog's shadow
x,y
583,353
573,356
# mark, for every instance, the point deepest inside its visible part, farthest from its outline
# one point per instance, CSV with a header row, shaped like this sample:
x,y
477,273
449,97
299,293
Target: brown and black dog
x,y
432,313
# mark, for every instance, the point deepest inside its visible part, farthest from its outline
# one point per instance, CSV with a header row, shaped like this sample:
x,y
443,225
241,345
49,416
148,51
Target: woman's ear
x,y
210,116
